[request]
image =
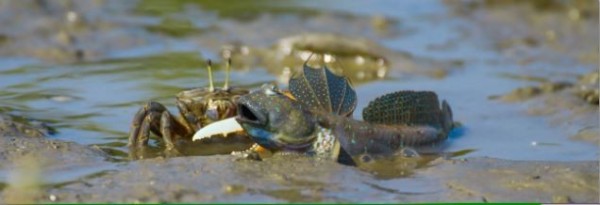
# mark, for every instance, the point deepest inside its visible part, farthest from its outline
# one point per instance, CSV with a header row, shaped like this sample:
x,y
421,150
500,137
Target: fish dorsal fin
x,y
409,108
320,89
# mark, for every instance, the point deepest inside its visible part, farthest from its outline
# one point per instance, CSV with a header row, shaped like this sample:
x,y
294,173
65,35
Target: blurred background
x,y
84,67
521,76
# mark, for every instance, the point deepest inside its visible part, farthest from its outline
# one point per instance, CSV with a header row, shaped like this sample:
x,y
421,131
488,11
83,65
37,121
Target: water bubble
x,y
52,197
62,98
359,60
409,153
245,50
72,17
226,53
366,158
381,72
360,75
574,14
305,55
328,58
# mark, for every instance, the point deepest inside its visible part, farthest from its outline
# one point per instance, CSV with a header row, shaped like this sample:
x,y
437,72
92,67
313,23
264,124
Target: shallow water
x,y
92,102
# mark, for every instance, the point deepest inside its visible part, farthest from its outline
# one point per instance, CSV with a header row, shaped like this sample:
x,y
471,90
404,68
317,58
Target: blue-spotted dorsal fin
x,y
320,89
409,108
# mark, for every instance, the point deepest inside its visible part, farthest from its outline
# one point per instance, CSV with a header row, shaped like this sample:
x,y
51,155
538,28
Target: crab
x,y
198,107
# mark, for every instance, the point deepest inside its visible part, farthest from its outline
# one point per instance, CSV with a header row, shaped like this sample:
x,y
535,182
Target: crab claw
x,y
222,127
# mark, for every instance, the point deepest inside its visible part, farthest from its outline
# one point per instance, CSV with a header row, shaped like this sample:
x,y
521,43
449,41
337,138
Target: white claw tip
x,y
222,128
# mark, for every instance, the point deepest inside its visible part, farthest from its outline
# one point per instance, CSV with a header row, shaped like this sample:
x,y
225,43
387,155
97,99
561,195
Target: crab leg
x,y
154,117
146,127
140,127
138,120
166,128
188,121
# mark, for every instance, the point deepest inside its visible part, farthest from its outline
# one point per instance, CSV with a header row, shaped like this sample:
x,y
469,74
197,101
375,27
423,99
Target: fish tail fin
x,y
447,121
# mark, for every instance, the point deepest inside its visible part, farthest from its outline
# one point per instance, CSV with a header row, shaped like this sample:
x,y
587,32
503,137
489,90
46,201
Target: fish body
x,y
316,120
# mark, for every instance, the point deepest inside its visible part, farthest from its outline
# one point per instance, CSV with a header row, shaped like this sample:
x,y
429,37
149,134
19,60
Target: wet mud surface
x,y
286,179
282,178
523,88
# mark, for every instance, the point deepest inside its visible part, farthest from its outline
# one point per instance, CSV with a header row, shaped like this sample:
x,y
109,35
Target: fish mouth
x,y
248,113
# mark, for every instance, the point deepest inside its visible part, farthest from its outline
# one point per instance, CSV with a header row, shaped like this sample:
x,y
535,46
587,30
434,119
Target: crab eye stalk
x,y
210,78
227,71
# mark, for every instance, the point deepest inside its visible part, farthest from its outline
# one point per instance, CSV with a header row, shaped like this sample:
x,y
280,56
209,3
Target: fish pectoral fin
x,y
219,128
344,158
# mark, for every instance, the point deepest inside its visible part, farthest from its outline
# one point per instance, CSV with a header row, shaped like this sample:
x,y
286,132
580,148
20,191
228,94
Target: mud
x,y
29,162
281,178
53,152
360,59
588,87
53,31
560,94
22,139
11,128
299,179
564,103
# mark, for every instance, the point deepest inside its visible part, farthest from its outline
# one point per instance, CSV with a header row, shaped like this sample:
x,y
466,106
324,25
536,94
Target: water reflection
x,y
151,50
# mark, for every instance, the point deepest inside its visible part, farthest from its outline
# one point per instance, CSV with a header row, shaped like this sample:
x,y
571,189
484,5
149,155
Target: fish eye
x,y
270,90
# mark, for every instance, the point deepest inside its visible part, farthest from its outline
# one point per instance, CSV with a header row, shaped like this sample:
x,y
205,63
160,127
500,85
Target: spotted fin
x,y
320,89
409,108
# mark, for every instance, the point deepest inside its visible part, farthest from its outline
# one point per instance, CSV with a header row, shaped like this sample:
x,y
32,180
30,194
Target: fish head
x,y
276,121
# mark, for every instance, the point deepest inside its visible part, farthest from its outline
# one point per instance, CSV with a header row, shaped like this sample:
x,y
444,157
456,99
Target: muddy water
x,y
85,69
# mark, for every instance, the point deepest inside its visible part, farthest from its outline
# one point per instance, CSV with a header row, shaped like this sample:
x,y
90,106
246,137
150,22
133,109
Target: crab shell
x,y
201,106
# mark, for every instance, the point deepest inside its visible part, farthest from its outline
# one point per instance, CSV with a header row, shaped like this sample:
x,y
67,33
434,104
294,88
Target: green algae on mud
x,y
236,9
